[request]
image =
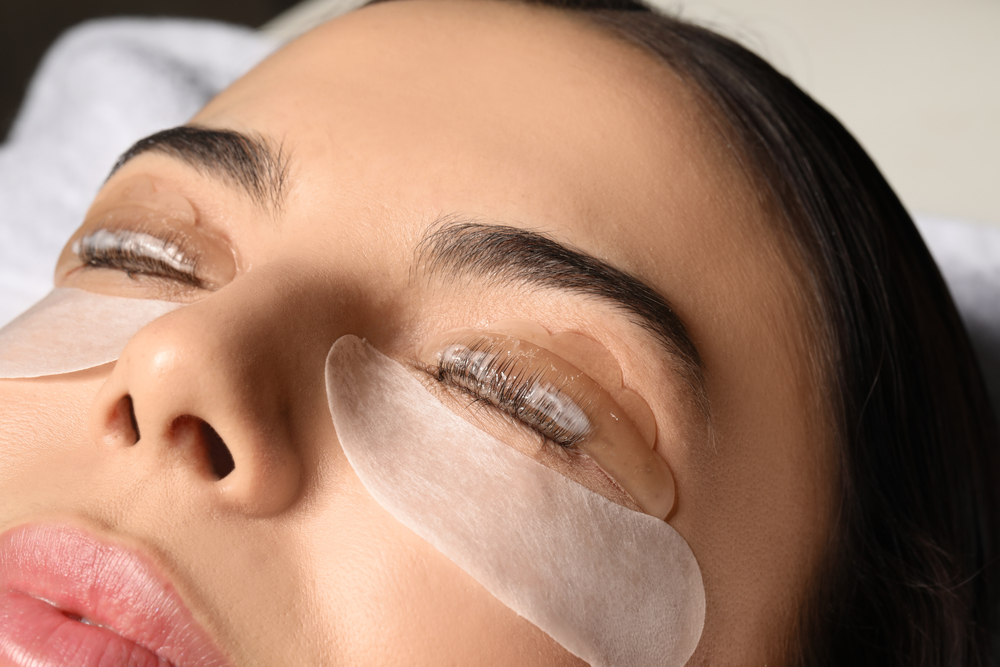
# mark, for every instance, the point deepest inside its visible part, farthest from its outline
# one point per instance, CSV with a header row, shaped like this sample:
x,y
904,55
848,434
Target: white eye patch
x,y
71,330
615,587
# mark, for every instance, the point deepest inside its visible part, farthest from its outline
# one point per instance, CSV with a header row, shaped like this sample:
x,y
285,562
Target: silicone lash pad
x,y
554,389
615,587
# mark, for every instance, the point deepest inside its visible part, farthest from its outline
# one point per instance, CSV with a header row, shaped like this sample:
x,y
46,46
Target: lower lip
x,y
53,577
38,634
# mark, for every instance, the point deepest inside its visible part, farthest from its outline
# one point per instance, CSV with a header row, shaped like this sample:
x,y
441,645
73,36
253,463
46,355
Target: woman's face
x,y
392,123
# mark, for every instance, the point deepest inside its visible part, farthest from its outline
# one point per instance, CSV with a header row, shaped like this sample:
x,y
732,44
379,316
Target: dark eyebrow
x,y
508,255
249,162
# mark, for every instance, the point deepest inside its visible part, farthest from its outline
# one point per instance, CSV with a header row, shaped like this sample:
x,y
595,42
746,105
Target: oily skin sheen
x,y
394,116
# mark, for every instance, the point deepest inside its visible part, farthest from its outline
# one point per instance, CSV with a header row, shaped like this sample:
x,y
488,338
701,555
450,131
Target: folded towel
x,y
107,83
102,86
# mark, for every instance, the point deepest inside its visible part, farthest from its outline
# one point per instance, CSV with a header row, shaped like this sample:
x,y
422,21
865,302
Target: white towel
x,y
102,86
107,83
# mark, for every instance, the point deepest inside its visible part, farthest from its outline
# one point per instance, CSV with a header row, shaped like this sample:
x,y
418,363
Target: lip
x,y
52,577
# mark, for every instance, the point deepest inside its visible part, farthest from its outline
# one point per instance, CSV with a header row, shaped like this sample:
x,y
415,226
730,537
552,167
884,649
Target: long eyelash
x,y
500,381
135,253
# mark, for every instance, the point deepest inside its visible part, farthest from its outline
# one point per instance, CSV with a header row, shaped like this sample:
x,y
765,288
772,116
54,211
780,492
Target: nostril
x,y
218,453
204,445
122,428
130,408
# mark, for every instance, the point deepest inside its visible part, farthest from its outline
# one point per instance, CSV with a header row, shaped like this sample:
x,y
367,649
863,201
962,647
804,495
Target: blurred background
x,y
917,81
27,28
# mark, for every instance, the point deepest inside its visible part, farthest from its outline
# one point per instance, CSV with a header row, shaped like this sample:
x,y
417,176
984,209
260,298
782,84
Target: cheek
x,y
758,514
382,593
42,424
48,466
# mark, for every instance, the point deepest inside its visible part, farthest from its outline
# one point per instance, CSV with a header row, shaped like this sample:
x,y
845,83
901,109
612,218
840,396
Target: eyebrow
x,y
506,255
250,162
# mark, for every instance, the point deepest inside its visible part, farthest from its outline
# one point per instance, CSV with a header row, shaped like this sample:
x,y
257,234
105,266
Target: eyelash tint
x,y
138,253
500,377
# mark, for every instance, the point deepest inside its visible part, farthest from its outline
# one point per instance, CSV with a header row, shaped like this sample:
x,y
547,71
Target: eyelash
x,y
122,253
508,384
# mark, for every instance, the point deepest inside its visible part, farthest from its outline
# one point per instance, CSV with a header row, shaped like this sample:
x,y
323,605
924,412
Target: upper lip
x,y
108,585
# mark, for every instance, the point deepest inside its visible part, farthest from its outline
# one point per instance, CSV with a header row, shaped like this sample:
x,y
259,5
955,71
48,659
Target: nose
x,y
219,389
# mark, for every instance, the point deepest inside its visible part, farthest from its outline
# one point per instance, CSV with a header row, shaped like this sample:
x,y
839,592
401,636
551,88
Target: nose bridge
x,y
216,387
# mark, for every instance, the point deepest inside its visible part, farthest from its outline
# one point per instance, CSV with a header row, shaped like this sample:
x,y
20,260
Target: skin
x,y
392,117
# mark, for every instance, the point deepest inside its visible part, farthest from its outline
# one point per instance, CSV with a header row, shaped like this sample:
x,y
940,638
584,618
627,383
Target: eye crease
x,y
137,253
558,401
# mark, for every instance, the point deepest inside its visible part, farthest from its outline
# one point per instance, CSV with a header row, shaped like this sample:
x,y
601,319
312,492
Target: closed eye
x,y
510,384
556,400
139,253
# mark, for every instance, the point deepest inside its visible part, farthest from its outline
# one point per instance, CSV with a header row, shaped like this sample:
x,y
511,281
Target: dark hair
x,y
911,573
910,576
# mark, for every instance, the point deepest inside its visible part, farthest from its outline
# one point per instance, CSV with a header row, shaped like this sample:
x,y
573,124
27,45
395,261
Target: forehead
x,y
535,118
514,112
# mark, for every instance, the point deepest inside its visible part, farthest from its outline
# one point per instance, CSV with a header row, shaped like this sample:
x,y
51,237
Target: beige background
x,y
918,82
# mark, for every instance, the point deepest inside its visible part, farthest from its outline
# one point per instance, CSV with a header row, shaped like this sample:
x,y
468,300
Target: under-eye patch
x,y
615,587
72,330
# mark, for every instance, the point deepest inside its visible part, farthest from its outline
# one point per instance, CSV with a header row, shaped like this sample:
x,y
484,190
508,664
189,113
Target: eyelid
x,y
133,251
517,383
611,438
161,242
592,358
166,250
